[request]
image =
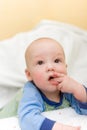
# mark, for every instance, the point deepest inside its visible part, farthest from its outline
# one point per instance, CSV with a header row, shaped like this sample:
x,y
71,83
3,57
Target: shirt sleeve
x,y
80,107
30,108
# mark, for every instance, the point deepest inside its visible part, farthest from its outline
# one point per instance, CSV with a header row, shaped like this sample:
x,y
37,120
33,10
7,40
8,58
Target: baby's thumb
x,y
79,128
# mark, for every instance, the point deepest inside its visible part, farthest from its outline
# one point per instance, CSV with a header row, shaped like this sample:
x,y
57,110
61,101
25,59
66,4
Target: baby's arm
x,y
30,109
68,85
58,126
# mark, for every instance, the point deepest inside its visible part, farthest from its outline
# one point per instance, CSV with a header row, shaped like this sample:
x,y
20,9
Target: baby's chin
x,y
53,82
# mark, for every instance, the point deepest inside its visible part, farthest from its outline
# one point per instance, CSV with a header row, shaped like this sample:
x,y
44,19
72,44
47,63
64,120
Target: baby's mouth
x,y
51,78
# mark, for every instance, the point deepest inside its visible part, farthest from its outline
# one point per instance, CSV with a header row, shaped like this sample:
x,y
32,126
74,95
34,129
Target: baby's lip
x,y
52,77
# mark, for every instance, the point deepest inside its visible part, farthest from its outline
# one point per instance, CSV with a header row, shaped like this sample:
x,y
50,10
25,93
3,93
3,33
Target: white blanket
x,y
12,66
66,116
12,63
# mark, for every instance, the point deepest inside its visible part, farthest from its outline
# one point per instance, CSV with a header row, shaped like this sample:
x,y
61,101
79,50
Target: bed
x,y
70,31
74,42
62,116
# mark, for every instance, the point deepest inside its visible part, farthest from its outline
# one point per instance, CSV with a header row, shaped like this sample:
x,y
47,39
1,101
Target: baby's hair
x,y
37,40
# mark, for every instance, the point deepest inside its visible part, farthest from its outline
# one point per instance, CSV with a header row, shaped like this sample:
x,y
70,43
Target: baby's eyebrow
x,y
59,55
39,56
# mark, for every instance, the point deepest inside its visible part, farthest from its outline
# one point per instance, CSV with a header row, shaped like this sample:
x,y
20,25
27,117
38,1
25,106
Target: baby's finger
x,y
60,74
59,80
60,87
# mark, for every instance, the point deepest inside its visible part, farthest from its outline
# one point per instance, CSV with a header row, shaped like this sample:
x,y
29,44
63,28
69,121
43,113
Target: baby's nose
x,y
50,67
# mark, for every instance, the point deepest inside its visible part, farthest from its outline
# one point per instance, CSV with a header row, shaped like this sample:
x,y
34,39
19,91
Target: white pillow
x,y
73,39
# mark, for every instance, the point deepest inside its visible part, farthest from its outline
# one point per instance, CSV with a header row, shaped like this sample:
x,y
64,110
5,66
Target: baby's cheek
x,y
39,77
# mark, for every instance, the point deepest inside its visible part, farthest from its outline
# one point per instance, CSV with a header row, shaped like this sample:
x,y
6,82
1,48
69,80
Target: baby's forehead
x,y
42,44
44,41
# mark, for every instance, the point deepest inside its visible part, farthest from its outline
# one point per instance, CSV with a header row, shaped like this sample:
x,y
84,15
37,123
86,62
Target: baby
x,y
48,87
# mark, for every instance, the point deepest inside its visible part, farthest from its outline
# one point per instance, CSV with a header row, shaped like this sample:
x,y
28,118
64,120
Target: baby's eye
x,y
40,62
57,60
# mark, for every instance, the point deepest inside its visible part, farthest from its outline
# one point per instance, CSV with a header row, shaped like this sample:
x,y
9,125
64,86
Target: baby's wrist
x,y
80,93
76,89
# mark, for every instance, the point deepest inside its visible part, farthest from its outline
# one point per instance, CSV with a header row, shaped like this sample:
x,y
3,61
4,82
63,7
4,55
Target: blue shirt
x,y
32,105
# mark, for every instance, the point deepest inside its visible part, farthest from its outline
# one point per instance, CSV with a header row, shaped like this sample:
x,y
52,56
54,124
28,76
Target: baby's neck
x,y
53,96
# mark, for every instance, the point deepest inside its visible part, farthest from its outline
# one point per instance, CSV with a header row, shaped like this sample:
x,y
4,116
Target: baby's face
x,y
46,60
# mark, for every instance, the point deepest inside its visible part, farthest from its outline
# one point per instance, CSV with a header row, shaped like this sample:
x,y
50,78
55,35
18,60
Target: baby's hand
x,y
59,126
66,83
70,128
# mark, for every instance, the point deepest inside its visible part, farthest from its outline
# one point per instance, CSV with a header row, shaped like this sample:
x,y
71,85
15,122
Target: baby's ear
x,y
66,65
28,75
